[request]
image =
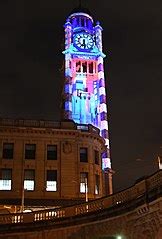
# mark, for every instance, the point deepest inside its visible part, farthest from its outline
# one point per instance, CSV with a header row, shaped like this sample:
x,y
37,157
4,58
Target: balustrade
x,y
135,192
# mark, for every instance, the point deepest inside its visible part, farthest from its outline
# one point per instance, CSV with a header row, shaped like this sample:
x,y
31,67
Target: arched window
x,y
78,66
84,67
91,67
82,22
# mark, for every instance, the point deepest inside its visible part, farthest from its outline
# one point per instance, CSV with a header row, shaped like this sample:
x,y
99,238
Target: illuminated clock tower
x,y
84,87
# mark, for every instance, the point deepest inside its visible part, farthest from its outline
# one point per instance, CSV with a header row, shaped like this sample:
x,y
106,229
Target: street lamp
x,y
22,199
22,186
119,237
159,163
86,193
86,190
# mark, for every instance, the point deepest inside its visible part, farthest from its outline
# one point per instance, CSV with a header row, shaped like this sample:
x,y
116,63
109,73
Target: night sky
x,y
31,44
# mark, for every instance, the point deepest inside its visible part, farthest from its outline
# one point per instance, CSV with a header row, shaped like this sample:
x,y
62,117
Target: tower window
x,y
30,150
97,184
74,22
82,22
83,182
8,150
84,67
86,22
29,178
89,24
91,67
78,21
5,179
78,66
51,180
83,155
51,152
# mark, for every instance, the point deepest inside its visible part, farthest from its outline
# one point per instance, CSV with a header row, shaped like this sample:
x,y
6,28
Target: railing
x,y
142,192
48,125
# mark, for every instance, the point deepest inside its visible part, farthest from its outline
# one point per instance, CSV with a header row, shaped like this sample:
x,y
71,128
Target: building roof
x,y
81,9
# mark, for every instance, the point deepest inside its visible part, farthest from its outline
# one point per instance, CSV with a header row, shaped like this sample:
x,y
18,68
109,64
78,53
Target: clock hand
x,y
84,44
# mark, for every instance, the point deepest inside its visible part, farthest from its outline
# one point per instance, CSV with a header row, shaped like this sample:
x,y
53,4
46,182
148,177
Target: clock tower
x,y
84,87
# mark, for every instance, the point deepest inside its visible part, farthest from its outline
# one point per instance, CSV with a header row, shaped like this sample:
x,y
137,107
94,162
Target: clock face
x,y
83,41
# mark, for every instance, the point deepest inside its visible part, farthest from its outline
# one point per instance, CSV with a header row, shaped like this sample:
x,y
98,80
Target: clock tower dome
x,y
84,87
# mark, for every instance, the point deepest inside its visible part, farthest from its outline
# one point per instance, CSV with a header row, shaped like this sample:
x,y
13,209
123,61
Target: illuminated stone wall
x,y
68,139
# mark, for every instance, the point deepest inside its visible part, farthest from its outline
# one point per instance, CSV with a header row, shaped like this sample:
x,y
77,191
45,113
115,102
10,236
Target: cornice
x,y
46,132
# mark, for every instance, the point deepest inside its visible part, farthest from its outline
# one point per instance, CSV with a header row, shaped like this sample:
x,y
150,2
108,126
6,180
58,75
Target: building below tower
x,y
50,163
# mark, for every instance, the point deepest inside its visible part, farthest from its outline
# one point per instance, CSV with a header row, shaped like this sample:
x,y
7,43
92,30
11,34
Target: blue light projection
x,y
85,95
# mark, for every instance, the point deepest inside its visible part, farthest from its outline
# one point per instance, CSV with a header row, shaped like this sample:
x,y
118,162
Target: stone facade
x,y
68,138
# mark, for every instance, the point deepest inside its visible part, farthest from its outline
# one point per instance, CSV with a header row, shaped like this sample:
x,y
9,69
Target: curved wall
x,y
69,141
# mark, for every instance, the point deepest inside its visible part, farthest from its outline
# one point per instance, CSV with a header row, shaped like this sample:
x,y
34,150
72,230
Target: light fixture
x,y
119,237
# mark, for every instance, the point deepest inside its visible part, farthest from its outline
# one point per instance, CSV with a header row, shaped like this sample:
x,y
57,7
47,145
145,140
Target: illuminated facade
x,y
46,162
84,89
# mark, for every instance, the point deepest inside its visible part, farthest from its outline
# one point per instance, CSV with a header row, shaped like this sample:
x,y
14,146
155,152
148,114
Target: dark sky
x,y
31,40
